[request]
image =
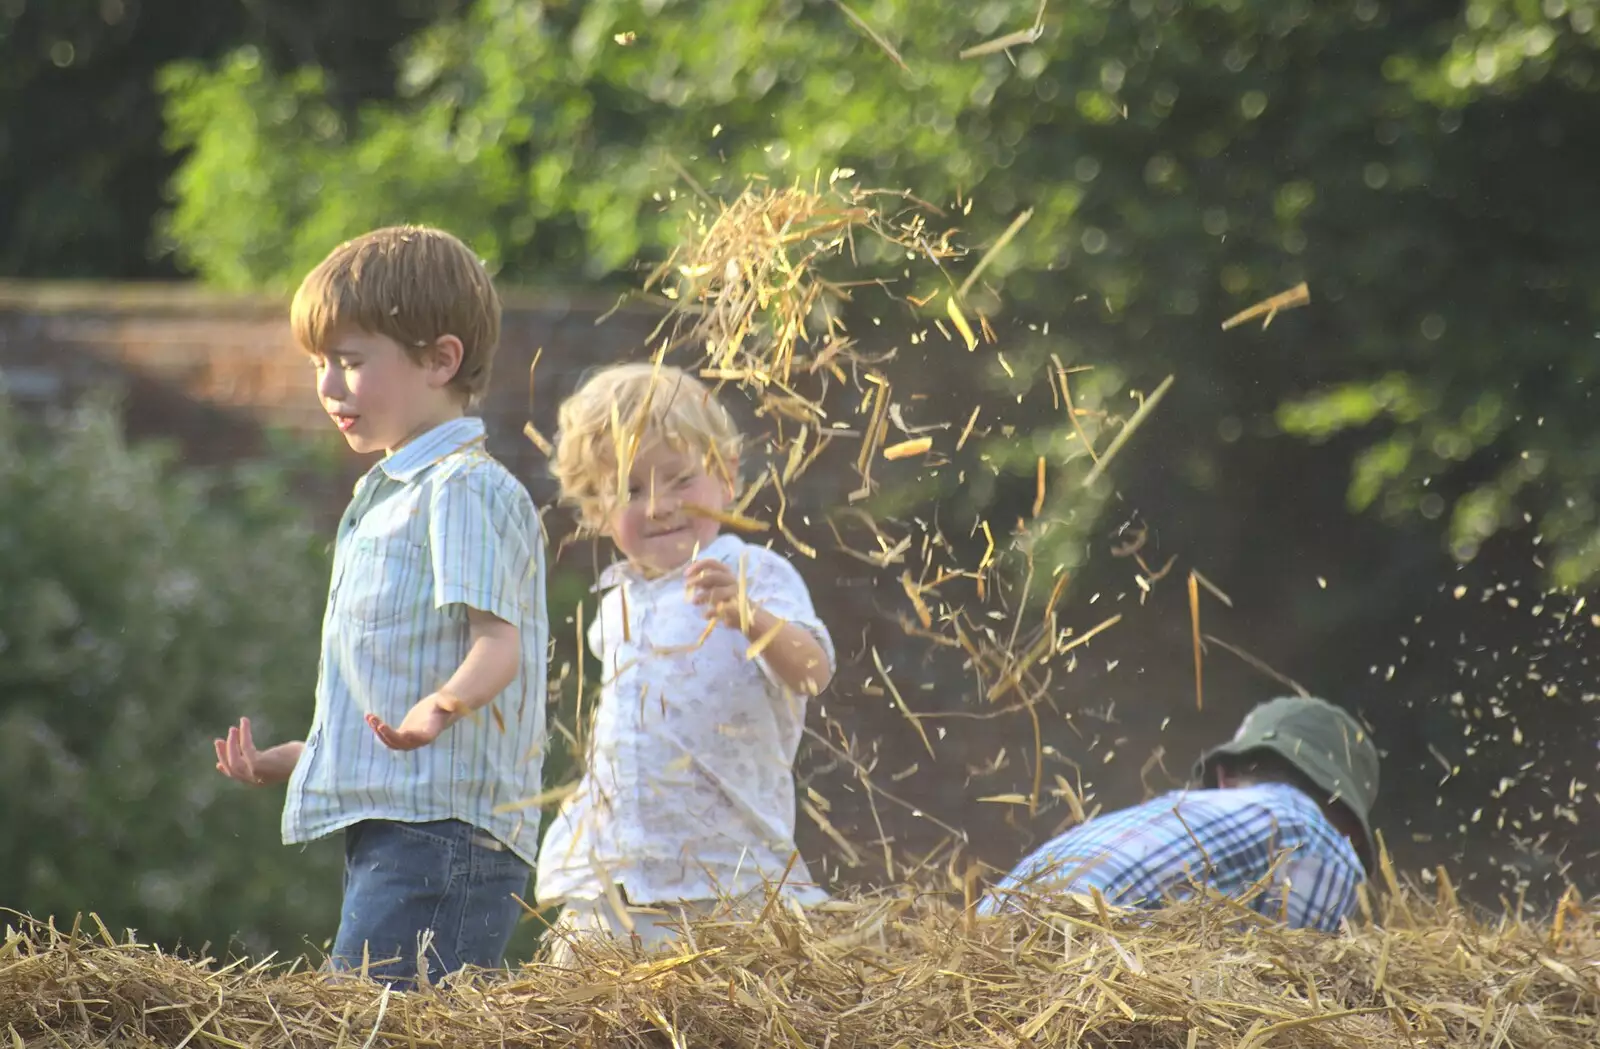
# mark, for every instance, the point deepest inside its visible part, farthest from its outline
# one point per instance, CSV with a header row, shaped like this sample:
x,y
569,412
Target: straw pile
x,y
889,971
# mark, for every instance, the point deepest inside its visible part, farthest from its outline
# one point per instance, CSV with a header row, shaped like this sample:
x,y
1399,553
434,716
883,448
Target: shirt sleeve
x,y
774,584
1032,874
481,532
1097,854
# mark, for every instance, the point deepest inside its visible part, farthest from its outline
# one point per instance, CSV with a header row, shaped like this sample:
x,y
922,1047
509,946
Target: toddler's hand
x,y
422,723
714,588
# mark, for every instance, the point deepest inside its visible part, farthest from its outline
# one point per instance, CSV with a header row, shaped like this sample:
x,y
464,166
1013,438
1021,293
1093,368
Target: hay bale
x,y
883,971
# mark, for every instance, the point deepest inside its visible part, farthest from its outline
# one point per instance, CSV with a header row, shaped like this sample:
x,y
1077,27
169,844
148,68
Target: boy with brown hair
x,y
431,685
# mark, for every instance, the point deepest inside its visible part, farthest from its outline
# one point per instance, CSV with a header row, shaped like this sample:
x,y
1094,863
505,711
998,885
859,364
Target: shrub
x,y
144,608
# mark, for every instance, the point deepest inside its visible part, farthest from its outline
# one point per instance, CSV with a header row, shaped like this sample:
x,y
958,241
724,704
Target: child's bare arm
x,y
238,758
793,653
493,659
494,655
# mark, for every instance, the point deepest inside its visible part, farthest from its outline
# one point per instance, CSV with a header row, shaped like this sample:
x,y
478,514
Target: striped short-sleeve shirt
x,y
433,530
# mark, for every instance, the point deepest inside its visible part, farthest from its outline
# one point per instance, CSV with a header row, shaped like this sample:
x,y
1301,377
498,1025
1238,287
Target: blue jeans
x,y
445,877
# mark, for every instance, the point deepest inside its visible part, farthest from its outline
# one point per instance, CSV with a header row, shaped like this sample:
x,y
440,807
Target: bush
x,y
144,609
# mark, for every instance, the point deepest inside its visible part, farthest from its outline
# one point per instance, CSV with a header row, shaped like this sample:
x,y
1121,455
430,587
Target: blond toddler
x,y
710,648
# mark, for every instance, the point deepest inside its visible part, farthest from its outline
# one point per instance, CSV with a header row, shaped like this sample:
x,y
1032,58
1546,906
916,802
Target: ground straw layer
x,y
884,971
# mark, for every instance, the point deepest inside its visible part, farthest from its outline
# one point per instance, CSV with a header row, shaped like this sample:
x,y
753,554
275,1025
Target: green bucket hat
x,y
1328,746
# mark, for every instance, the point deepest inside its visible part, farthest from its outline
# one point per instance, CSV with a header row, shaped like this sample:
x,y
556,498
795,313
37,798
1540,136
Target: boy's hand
x,y
714,588
238,758
422,725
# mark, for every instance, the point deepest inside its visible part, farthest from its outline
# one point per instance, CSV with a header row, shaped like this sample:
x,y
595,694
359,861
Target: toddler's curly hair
x,y
626,407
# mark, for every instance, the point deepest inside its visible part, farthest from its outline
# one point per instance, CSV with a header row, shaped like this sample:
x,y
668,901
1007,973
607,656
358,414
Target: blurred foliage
x,y
148,608
1421,165
83,169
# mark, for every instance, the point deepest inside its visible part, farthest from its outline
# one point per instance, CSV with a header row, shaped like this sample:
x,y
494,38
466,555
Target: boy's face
x,y
652,528
378,396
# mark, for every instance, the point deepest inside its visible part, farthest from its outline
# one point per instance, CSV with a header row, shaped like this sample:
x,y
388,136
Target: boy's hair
x,y
623,408
412,284
1266,766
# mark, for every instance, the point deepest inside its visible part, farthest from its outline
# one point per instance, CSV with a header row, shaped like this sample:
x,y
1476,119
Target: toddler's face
x,y
653,528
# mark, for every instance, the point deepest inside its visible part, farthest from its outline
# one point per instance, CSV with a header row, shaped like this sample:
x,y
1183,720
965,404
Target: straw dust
x,y
761,287
892,970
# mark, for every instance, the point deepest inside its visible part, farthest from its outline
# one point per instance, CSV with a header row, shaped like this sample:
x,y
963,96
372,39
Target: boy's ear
x,y
731,481
444,359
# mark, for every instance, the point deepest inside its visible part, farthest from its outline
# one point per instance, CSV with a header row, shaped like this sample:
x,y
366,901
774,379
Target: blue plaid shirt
x,y
1227,839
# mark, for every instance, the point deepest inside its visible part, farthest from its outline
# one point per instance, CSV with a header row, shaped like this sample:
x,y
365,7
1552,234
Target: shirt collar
x,y
432,445
619,572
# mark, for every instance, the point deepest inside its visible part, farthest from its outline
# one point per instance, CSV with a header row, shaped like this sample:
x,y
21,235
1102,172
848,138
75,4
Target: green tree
x,y
83,169
145,610
1421,166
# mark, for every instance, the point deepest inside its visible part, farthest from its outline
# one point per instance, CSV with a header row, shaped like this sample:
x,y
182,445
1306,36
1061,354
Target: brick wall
x,y
216,372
